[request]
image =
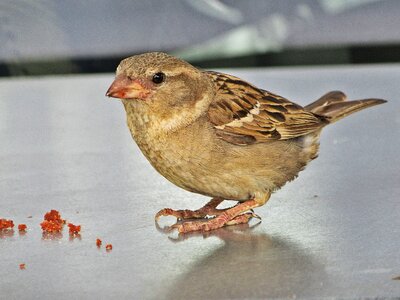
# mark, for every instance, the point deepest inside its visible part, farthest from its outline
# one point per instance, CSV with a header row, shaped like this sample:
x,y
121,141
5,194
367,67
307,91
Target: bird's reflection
x,y
229,232
250,264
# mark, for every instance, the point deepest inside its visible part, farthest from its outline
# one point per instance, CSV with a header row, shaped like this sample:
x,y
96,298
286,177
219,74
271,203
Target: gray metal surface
x,y
333,232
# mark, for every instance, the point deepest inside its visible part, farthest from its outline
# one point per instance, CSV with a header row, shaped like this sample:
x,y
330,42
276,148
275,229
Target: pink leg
x,y
207,210
230,216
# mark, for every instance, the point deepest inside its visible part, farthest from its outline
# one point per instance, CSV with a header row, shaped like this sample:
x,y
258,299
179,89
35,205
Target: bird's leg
x,y
207,210
231,216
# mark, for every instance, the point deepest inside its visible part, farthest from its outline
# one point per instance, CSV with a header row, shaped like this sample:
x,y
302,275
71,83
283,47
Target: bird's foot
x,y
190,226
207,210
232,216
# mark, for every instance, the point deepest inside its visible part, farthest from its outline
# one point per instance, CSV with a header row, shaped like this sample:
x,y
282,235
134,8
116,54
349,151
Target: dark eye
x,y
158,77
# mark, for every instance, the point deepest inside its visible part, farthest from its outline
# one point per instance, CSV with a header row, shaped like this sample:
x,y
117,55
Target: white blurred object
x,y
218,10
47,29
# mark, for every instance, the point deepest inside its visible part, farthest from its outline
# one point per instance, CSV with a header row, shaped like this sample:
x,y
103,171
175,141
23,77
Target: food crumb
x,y
22,266
6,224
22,227
49,226
54,216
109,247
98,243
396,278
52,222
74,229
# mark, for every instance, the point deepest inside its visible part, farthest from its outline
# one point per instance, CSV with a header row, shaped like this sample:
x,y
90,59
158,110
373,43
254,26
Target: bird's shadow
x,y
249,264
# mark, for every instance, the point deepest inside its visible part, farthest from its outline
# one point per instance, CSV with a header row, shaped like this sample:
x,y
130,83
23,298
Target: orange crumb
x,y
50,226
6,224
74,229
22,227
109,247
98,243
53,216
52,221
22,266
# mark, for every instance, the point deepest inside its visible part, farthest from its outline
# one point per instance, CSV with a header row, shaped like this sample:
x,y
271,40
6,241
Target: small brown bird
x,y
220,136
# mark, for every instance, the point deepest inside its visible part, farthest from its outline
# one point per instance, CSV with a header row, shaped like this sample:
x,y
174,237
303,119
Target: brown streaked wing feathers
x,y
243,114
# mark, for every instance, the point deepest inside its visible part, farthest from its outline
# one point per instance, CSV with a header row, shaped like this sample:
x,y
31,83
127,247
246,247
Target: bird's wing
x,y
243,114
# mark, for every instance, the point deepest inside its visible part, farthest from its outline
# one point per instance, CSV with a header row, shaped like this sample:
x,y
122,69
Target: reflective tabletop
x,y
332,233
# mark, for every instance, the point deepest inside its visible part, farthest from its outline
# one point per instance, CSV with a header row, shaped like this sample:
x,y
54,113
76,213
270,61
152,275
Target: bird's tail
x,y
333,106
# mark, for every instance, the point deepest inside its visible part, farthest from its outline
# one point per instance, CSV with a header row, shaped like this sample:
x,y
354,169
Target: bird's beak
x,y
124,87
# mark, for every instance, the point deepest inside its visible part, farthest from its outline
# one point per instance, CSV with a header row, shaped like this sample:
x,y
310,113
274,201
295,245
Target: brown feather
x,y
242,109
333,106
328,98
336,111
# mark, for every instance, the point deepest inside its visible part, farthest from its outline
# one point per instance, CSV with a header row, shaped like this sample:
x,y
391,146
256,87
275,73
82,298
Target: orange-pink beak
x,y
124,87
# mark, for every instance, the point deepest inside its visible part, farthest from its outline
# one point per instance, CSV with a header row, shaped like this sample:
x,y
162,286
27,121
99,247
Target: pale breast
x,y
196,160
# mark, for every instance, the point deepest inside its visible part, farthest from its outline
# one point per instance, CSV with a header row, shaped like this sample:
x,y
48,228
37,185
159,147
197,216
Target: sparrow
x,y
217,135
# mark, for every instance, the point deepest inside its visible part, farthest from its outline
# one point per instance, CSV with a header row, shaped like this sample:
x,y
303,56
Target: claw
x,y
224,217
183,214
168,212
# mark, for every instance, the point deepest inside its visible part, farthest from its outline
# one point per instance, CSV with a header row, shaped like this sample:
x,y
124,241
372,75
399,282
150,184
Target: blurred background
x,y
60,37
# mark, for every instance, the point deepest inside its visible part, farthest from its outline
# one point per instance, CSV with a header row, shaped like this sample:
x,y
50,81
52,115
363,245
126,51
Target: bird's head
x,y
162,86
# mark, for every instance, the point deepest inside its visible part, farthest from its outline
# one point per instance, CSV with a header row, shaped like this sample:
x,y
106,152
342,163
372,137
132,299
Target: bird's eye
x,y
158,77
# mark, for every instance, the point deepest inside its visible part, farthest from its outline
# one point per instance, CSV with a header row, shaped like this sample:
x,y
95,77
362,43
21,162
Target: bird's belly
x,y
230,172
194,172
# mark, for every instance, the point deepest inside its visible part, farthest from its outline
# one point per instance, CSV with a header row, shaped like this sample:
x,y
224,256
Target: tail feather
x,y
328,98
333,106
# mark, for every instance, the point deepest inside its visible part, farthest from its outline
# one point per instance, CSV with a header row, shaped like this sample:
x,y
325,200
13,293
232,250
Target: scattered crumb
x,y
52,226
29,217
22,266
52,222
54,216
396,278
49,226
74,229
315,196
6,224
22,227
